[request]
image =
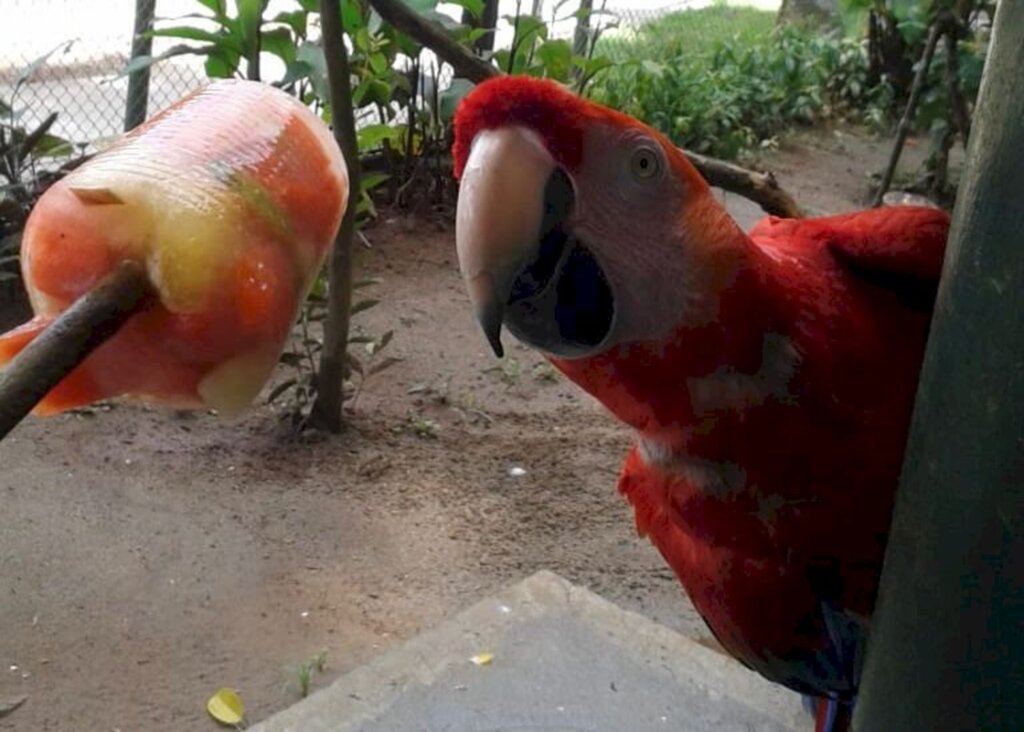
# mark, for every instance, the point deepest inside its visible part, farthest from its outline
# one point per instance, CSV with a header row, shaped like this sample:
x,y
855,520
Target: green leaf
x,y
366,282
197,34
363,305
221,64
373,136
282,387
217,6
141,62
294,19
378,92
144,62
652,67
354,363
365,205
29,71
280,43
557,58
52,146
449,99
371,180
351,17
379,63
474,34
361,40
312,55
374,22
528,28
383,365
250,20
475,7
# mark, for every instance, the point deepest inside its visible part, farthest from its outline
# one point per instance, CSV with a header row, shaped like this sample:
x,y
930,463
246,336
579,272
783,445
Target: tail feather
x,y
833,716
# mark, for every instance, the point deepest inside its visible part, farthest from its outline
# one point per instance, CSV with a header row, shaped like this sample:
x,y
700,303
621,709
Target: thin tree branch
x,y
79,330
326,412
908,114
958,106
761,188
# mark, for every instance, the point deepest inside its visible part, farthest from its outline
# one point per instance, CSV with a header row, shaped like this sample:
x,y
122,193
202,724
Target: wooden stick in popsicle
x,y
79,330
170,267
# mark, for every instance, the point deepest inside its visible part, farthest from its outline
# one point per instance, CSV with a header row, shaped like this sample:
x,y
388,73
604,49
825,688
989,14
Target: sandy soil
x,y
148,558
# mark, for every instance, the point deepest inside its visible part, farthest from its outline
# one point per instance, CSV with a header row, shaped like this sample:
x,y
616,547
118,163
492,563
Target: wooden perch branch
x,y
79,330
761,188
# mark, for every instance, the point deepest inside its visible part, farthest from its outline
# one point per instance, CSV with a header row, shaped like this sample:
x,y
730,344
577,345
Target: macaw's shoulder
x,y
901,241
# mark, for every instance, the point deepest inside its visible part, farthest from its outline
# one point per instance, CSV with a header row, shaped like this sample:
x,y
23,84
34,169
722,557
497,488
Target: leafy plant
x,y
690,33
31,158
741,96
230,36
298,388
426,428
532,52
300,677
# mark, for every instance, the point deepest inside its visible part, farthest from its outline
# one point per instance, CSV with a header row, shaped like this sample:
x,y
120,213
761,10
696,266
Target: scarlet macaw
x,y
769,376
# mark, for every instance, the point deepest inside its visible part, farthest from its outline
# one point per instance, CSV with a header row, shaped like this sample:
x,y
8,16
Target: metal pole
x,y
947,642
138,81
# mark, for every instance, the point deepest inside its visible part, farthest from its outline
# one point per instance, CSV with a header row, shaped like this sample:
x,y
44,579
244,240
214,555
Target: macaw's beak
x,y
503,205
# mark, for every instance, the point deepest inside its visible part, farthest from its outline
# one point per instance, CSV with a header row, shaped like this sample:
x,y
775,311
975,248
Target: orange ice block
x,y
230,199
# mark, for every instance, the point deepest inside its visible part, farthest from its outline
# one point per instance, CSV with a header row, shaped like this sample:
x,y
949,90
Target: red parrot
x,y
230,199
769,376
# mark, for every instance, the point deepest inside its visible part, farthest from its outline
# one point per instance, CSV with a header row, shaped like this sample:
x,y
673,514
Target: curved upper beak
x,y
499,217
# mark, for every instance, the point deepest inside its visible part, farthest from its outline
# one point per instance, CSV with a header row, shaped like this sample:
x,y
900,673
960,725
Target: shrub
x,y
740,95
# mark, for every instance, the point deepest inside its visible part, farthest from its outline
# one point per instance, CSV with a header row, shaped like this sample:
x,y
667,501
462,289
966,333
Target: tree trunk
x,y
327,408
947,637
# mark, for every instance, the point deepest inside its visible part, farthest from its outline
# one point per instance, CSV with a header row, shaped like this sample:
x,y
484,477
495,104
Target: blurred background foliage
x,y
719,78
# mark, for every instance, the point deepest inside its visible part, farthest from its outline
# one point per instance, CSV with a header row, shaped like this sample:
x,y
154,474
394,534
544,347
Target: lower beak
x,y
499,218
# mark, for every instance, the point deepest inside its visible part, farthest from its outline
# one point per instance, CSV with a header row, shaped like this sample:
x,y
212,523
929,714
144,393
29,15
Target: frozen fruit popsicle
x,y
230,199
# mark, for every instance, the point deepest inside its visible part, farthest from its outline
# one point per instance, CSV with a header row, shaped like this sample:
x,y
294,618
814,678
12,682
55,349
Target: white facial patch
x,y
708,476
728,390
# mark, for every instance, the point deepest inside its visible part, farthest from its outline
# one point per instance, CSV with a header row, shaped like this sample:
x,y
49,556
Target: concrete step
x,y
564,660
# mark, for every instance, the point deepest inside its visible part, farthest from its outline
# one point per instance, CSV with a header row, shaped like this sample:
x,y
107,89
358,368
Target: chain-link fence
x,y
65,56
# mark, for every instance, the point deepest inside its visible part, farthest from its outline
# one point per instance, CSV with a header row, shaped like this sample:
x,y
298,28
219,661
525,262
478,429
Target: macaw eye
x,y
644,163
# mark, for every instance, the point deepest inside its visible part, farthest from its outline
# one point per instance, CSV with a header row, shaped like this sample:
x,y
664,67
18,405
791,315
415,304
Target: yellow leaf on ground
x,y
226,707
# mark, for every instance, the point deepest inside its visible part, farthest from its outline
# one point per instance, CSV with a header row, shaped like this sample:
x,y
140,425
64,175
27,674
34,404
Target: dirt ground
x,y
148,558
